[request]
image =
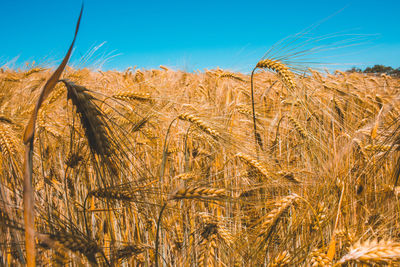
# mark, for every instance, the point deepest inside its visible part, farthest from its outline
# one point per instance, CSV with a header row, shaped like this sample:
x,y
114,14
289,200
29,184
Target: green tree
x,y
379,69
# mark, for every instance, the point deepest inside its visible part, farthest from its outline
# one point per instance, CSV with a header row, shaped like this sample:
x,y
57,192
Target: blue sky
x,y
191,35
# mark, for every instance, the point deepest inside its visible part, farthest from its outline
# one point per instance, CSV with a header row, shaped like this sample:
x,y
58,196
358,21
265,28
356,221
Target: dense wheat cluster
x,y
134,167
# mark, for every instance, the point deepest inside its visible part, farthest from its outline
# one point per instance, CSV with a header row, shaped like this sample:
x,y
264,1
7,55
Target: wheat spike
x,y
281,69
139,76
254,163
377,148
164,68
173,150
75,243
217,227
131,95
225,234
56,94
91,118
298,127
12,78
280,207
199,123
127,252
33,70
288,176
178,242
198,193
232,76
246,111
319,259
339,110
320,217
185,176
7,142
373,251
269,221
208,245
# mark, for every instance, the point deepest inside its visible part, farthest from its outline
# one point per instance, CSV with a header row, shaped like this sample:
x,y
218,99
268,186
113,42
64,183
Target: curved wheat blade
x,y
28,138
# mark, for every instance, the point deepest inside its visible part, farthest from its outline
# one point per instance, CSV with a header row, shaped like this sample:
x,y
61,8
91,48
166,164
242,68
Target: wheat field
x,y
163,167
209,168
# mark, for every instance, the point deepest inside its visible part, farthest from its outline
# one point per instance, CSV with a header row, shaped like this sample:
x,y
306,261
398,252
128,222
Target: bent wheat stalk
x,y
283,72
158,232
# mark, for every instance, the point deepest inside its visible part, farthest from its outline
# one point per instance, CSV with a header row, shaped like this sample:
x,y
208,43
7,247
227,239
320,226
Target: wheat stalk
x,y
28,139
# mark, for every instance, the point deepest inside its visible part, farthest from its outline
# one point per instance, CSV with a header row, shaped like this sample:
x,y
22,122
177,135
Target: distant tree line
x,y
378,69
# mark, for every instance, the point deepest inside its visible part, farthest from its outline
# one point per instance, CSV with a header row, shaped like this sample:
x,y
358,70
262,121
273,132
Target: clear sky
x,y
190,35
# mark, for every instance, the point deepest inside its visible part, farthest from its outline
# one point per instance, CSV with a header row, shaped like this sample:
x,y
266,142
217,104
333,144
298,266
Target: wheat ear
x,y
199,123
232,76
198,193
319,259
7,142
287,78
373,251
91,118
377,148
74,243
281,69
127,252
130,95
298,127
254,163
272,218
